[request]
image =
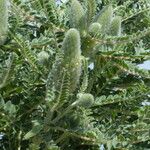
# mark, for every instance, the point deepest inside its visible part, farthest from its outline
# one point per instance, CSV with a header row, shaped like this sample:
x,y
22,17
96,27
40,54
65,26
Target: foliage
x,y
69,77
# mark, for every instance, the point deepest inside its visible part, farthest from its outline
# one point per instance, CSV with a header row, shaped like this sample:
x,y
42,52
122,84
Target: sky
x,y
145,65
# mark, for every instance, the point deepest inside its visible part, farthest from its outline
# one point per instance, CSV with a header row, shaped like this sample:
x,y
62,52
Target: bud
x,y
43,57
85,100
95,29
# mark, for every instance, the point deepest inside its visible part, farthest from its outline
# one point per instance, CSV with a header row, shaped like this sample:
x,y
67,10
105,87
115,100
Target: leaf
x,y
2,103
35,130
91,9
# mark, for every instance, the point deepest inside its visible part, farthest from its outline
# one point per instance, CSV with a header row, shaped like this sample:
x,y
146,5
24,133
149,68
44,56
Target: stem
x,y
65,112
77,135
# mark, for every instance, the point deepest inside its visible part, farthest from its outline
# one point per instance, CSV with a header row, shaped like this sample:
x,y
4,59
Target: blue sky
x,y
145,65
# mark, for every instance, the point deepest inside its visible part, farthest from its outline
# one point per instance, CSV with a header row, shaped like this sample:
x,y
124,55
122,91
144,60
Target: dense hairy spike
x,y
3,20
71,45
77,15
72,56
115,27
67,67
95,29
105,18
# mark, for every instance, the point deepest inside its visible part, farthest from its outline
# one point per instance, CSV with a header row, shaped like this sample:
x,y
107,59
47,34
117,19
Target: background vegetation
x,y
69,77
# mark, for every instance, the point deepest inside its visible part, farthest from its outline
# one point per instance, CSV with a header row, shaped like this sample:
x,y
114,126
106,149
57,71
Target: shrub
x,y
69,77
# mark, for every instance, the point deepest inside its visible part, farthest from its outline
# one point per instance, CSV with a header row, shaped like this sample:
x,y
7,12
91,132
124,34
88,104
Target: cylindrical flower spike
x,y
115,27
77,16
3,20
72,56
105,18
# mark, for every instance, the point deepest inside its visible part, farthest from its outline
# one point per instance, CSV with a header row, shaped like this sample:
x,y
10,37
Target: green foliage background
x,y
69,77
